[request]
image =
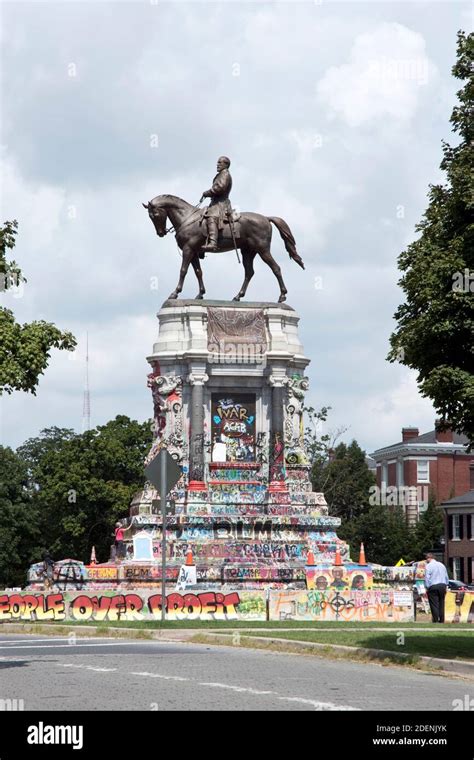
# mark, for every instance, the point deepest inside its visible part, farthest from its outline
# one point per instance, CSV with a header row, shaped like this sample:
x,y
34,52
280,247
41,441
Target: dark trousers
x,y
436,597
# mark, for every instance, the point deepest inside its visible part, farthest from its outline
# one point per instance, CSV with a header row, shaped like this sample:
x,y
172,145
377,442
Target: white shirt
x,y
435,573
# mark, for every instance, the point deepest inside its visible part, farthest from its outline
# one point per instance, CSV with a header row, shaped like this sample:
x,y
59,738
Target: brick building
x,y
436,462
459,533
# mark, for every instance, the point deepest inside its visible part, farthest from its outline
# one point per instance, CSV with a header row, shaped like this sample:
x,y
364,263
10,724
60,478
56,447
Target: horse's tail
x,y
288,239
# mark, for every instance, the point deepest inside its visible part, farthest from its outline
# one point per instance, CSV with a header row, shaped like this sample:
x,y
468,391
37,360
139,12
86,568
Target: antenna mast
x,y
86,407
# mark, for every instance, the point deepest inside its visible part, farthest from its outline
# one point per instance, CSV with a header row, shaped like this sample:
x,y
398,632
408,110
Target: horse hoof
x,y
237,298
282,298
199,297
173,296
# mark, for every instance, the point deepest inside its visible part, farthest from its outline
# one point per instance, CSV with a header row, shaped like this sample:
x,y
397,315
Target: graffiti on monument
x,y
67,575
459,607
346,577
340,605
233,424
112,607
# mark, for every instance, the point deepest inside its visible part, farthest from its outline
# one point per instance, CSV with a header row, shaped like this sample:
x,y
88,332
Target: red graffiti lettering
x,y
29,607
205,606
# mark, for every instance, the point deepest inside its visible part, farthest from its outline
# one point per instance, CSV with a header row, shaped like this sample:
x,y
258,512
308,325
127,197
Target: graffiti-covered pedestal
x,y
228,383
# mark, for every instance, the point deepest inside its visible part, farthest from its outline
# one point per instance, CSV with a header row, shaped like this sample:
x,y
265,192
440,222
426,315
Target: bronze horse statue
x,y
254,236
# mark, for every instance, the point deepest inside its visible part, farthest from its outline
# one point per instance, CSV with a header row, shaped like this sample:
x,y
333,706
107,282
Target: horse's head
x,y
157,215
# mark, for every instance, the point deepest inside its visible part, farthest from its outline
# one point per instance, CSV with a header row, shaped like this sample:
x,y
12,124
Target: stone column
x,y
196,444
277,381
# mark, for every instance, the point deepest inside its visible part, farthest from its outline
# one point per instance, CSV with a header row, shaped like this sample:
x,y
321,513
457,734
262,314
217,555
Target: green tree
x,y
435,325
345,480
383,531
34,449
24,349
317,444
19,530
83,483
429,529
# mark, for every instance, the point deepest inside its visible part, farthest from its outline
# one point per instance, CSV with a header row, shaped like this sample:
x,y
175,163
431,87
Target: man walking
x,y
436,582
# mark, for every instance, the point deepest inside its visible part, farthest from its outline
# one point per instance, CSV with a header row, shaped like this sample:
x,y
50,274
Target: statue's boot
x,y
212,232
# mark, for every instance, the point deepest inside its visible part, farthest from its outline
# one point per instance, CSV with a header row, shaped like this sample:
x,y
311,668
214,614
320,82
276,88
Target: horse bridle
x,y
173,229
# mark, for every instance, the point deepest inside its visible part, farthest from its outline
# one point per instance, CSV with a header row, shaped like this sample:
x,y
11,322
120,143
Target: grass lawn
x,y
275,626
449,642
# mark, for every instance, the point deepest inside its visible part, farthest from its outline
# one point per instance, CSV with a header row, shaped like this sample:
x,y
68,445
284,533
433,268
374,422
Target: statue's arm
x,y
218,186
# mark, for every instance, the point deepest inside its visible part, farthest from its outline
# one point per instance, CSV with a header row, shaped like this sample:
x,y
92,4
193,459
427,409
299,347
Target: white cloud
x,y
388,67
168,69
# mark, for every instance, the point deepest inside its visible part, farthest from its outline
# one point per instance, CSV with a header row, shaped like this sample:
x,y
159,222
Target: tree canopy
x,y
435,325
344,478
62,492
24,348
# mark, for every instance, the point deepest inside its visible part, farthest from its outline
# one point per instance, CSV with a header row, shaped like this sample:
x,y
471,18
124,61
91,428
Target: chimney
x,y
471,476
408,433
443,436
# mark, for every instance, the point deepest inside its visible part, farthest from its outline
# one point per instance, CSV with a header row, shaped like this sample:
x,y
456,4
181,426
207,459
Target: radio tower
x,y
86,407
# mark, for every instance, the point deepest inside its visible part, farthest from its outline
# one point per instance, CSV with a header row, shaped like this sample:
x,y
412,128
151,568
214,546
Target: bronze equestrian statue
x,y
218,230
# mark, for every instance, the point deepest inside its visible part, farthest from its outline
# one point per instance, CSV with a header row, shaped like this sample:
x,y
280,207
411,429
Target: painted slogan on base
x,y
109,606
112,607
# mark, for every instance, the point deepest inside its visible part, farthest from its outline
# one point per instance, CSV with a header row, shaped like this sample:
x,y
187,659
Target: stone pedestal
x,y
228,387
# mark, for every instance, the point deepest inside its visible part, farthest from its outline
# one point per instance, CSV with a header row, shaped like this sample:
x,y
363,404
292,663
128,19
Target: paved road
x,y
96,674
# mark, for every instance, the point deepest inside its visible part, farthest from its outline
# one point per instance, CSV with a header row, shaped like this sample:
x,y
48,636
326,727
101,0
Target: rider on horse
x,y
219,206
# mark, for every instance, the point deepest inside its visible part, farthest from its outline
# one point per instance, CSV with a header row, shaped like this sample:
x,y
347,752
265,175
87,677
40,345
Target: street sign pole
x,y
163,472
163,494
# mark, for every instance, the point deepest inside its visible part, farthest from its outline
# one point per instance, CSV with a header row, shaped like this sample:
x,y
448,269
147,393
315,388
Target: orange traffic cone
x,y
362,560
189,559
337,558
310,559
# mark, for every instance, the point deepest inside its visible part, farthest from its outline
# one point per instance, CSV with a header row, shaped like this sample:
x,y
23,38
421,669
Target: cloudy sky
x,y
333,115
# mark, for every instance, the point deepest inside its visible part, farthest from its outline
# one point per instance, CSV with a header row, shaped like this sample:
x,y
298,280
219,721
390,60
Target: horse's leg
x,y
188,254
197,268
268,259
247,259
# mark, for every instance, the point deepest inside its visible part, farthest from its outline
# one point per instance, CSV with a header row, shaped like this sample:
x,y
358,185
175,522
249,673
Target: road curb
x,y
455,667
92,630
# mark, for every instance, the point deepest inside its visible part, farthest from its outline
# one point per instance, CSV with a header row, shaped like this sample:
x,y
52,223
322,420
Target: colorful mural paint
x,y
218,550
459,607
233,427
341,606
263,573
113,607
110,606
343,578
102,572
68,574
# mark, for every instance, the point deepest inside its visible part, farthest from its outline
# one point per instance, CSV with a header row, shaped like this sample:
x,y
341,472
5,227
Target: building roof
x,y
430,437
464,500
425,439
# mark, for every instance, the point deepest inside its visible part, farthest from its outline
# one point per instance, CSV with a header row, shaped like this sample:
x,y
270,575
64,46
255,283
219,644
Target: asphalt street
x,y
109,674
